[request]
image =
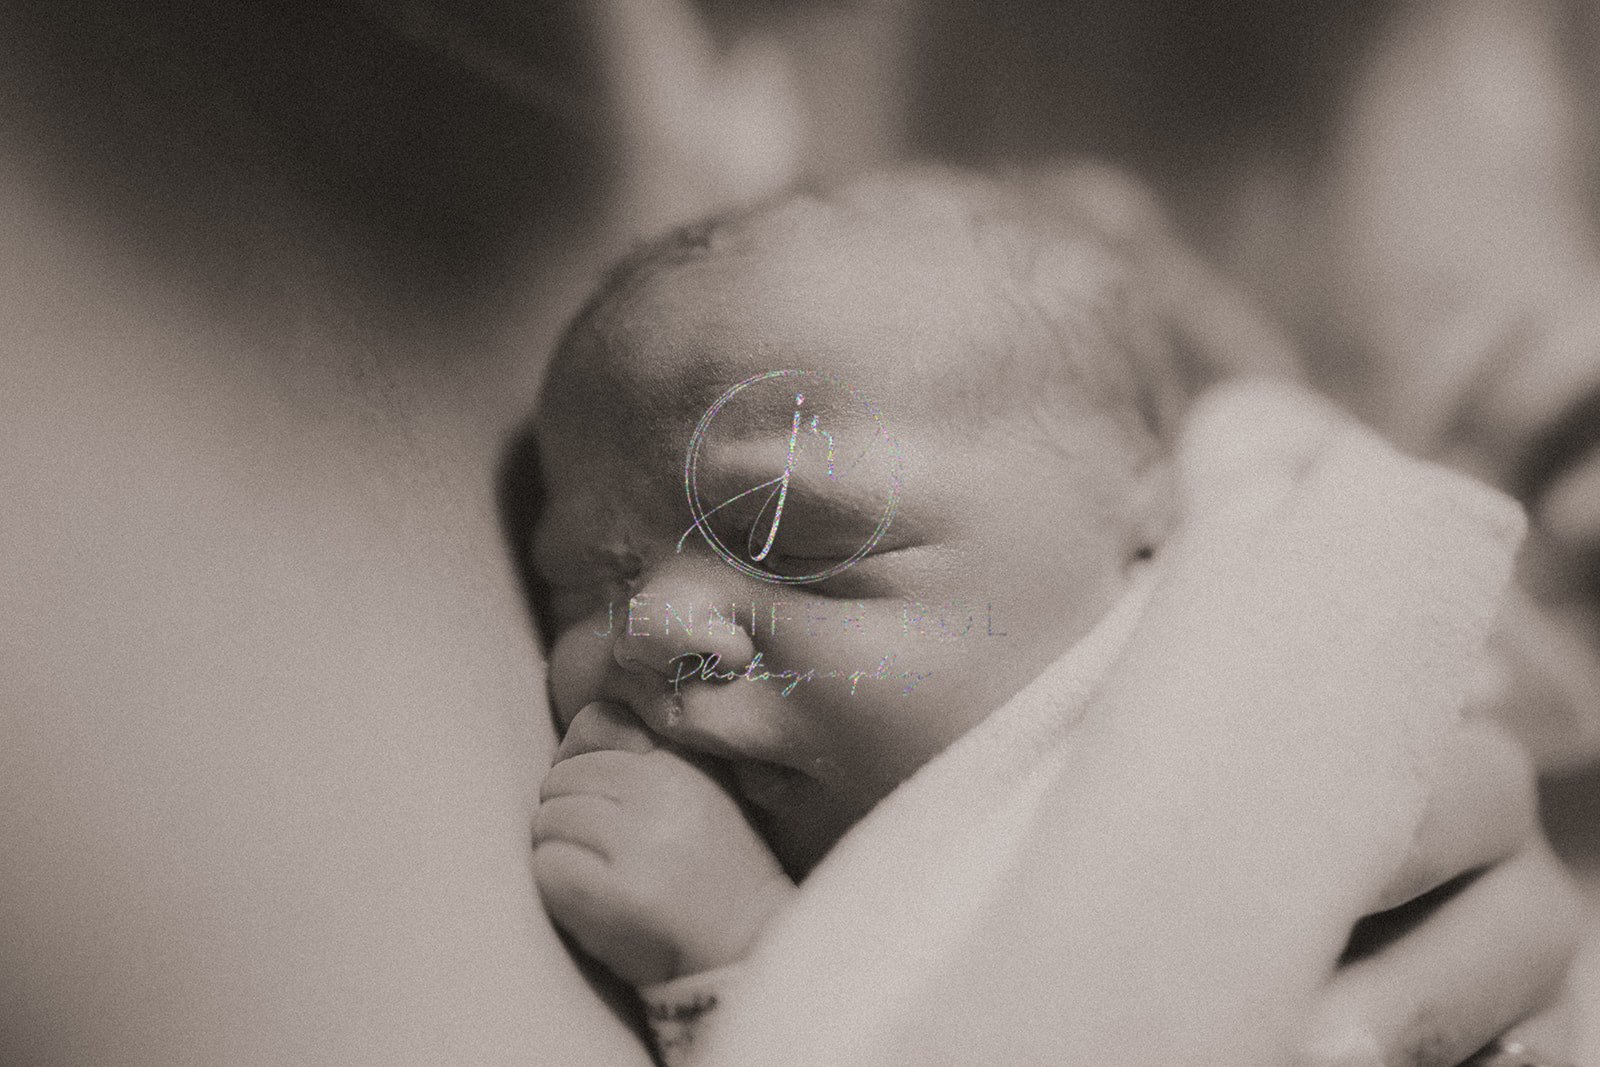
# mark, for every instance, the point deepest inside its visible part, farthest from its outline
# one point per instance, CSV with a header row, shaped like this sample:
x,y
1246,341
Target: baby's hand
x,y
644,859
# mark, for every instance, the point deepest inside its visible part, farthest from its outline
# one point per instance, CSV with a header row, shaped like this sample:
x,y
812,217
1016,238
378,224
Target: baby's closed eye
x,y
883,572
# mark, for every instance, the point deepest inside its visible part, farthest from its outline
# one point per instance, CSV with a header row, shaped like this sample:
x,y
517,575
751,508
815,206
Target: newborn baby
x,y
824,484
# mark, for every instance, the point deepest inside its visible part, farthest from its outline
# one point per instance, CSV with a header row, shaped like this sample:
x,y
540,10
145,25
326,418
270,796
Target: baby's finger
x,y
586,899
601,726
587,820
568,874
1491,956
1481,810
591,773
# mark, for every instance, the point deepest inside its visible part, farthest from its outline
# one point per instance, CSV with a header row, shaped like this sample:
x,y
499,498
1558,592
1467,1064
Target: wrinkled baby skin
x,y
964,409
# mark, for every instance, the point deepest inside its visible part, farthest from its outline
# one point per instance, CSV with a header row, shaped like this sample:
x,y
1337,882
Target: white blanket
x,y
1154,853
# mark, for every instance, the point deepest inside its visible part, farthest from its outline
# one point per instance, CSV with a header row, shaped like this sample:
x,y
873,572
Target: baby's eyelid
x,y
849,583
818,555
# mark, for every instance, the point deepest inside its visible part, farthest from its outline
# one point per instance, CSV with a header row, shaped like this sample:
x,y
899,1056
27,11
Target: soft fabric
x,y
1154,853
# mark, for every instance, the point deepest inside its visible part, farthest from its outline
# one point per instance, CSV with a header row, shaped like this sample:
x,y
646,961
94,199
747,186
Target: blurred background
x,y
471,154
454,142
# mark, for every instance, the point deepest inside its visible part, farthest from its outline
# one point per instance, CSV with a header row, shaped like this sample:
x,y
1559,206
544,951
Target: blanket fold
x,y
1153,854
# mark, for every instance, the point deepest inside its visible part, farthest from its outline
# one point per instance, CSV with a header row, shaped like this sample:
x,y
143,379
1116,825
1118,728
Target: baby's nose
x,y
686,621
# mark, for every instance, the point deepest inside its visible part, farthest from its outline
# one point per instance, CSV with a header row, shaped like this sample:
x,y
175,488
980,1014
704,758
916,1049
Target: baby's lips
x,y
602,726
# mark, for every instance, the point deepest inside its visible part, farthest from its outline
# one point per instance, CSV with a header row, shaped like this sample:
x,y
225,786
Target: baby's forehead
x,y
923,295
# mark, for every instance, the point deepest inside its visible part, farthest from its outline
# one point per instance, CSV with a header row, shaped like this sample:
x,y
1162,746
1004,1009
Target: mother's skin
x,y
271,713
273,716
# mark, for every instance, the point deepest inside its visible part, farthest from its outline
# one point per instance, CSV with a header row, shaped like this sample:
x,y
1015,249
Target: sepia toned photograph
x,y
800,533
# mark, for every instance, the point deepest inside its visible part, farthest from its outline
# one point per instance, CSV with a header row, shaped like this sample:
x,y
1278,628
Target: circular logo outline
x,y
691,480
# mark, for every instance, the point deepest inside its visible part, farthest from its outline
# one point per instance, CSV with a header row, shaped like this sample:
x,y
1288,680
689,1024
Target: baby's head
x,y
964,451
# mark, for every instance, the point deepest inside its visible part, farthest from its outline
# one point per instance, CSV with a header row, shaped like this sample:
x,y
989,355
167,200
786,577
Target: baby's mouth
x,y
768,786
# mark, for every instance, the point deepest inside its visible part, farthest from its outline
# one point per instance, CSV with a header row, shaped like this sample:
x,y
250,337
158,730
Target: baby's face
x,y
983,552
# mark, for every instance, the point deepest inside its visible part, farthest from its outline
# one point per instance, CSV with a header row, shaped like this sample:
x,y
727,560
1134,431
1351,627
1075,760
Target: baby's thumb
x,y
605,727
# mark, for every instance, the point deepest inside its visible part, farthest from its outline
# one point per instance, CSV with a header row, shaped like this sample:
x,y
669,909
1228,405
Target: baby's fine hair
x,y
1085,294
